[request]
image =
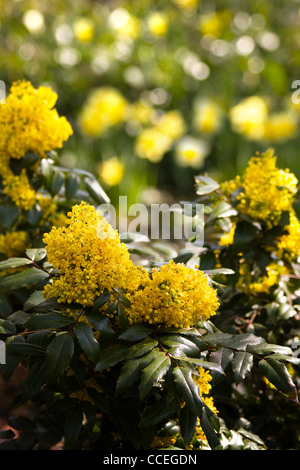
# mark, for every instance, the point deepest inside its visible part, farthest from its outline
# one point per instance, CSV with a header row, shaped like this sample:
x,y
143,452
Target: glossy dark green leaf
x,y
30,159
73,425
159,411
278,375
111,356
9,214
58,356
58,179
209,431
212,366
100,400
135,333
7,327
28,277
187,390
267,348
25,349
157,368
87,341
129,375
95,191
72,183
101,300
101,323
36,254
14,263
241,365
34,380
186,345
244,234
51,320
141,348
188,421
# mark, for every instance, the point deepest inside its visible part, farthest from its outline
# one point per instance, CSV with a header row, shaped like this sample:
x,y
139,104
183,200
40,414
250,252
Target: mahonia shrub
x,y
253,228
124,355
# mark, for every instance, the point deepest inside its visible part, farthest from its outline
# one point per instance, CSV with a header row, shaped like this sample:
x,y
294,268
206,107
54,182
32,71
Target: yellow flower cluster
x,y
173,295
266,191
249,283
30,123
288,245
89,257
13,243
18,188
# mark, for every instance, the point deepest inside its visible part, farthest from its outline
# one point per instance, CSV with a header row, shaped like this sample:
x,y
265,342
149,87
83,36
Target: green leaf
x,y
14,263
202,363
240,342
267,348
222,209
51,320
58,356
209,431
100,400
30,159
188,421
222,357
25,349
241,365
183,344
95,191
101,300
58,179
101,323
36,254
141,348
135,333
73,425
157,368
205,185
9,214
213,272
34,380
111,356
278,375
187,390
244,234
7,327
35,299
129,375
29,277
130,371
72,183
159,411
18,318
87,341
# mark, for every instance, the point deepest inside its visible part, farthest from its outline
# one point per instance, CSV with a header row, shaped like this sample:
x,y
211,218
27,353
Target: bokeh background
x,y
160,91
